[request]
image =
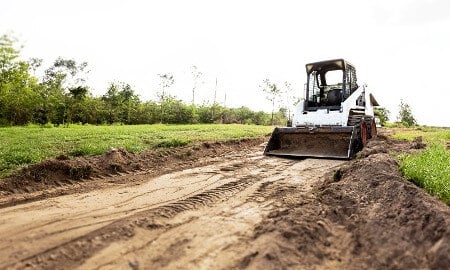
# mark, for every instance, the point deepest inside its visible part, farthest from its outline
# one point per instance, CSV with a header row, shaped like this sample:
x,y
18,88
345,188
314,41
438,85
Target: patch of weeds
x,y
86,150
429,169
19,159
134,148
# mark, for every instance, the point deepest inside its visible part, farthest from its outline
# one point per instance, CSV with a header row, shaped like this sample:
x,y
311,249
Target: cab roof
x,y
327,65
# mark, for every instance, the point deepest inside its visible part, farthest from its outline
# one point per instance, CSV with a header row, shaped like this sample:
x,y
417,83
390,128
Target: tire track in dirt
x,y
56,177
205,237
33,228
70,249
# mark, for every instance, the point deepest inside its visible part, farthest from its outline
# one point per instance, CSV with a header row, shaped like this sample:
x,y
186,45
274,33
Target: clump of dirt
x,y
118,160
63,171
362,216
295,235
49,173
385,144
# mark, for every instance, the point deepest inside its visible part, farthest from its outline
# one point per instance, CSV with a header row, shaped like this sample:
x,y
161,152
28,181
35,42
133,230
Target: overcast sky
x,y
400,48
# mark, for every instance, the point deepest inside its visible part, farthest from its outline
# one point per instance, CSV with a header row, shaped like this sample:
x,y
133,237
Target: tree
x,y
64,86
76,102
273,94
166,81
214,105
67,72
122,103
405,115
34,64
130,102
290,100
261,118
8,53
280,117
17,95
112,102
383,115
244,115
147,113
176,112
196,75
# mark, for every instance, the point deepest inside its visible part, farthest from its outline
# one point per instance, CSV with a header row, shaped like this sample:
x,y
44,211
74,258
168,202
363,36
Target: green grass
x,y
429,134
430,168
31,144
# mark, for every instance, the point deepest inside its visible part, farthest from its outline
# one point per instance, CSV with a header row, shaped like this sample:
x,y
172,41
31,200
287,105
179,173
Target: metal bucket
x,y
323,142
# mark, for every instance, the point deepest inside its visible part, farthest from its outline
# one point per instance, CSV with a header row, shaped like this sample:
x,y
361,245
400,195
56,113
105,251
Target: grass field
x,y
429,168
25,145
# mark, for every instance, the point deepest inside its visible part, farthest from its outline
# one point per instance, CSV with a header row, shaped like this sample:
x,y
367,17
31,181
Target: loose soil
x,y
222,206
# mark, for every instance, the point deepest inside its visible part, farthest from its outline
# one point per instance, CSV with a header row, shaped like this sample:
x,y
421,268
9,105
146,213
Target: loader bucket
x,y
324,142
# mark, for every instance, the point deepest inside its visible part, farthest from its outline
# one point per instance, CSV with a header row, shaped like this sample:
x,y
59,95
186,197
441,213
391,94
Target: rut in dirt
x,y
227,179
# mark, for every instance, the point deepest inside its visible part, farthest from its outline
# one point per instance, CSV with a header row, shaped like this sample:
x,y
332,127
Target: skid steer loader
x,y
335,119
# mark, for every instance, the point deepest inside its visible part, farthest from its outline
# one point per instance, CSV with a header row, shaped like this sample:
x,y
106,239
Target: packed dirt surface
x,y
60,176
225,206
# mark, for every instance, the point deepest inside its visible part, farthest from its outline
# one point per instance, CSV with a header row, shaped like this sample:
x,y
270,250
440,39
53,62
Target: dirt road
x,y
185,218
239,210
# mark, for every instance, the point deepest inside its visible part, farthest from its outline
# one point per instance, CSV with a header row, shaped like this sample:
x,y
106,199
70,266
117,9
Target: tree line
x,y
61,96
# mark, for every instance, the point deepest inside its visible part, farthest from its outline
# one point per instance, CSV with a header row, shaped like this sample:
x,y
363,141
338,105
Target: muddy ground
x,y
222,206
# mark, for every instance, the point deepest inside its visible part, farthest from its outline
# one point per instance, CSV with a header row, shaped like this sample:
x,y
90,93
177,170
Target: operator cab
x,y
329,83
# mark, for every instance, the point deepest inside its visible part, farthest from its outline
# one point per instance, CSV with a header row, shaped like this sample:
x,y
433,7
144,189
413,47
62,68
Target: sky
x,y
401,49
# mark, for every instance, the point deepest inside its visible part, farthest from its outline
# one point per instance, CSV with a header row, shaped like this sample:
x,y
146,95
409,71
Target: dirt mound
x,y
63,173
364,216
117,160
385,144
49,173
393,223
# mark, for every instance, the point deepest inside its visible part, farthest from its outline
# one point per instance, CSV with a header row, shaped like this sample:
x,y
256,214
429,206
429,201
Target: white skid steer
x,y
335,119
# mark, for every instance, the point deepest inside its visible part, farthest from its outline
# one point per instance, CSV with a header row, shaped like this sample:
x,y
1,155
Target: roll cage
x,y
321,94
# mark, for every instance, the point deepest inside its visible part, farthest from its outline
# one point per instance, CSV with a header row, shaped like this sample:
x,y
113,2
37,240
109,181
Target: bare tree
x,y
290,99
166,81
196,75
273,94
214,101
